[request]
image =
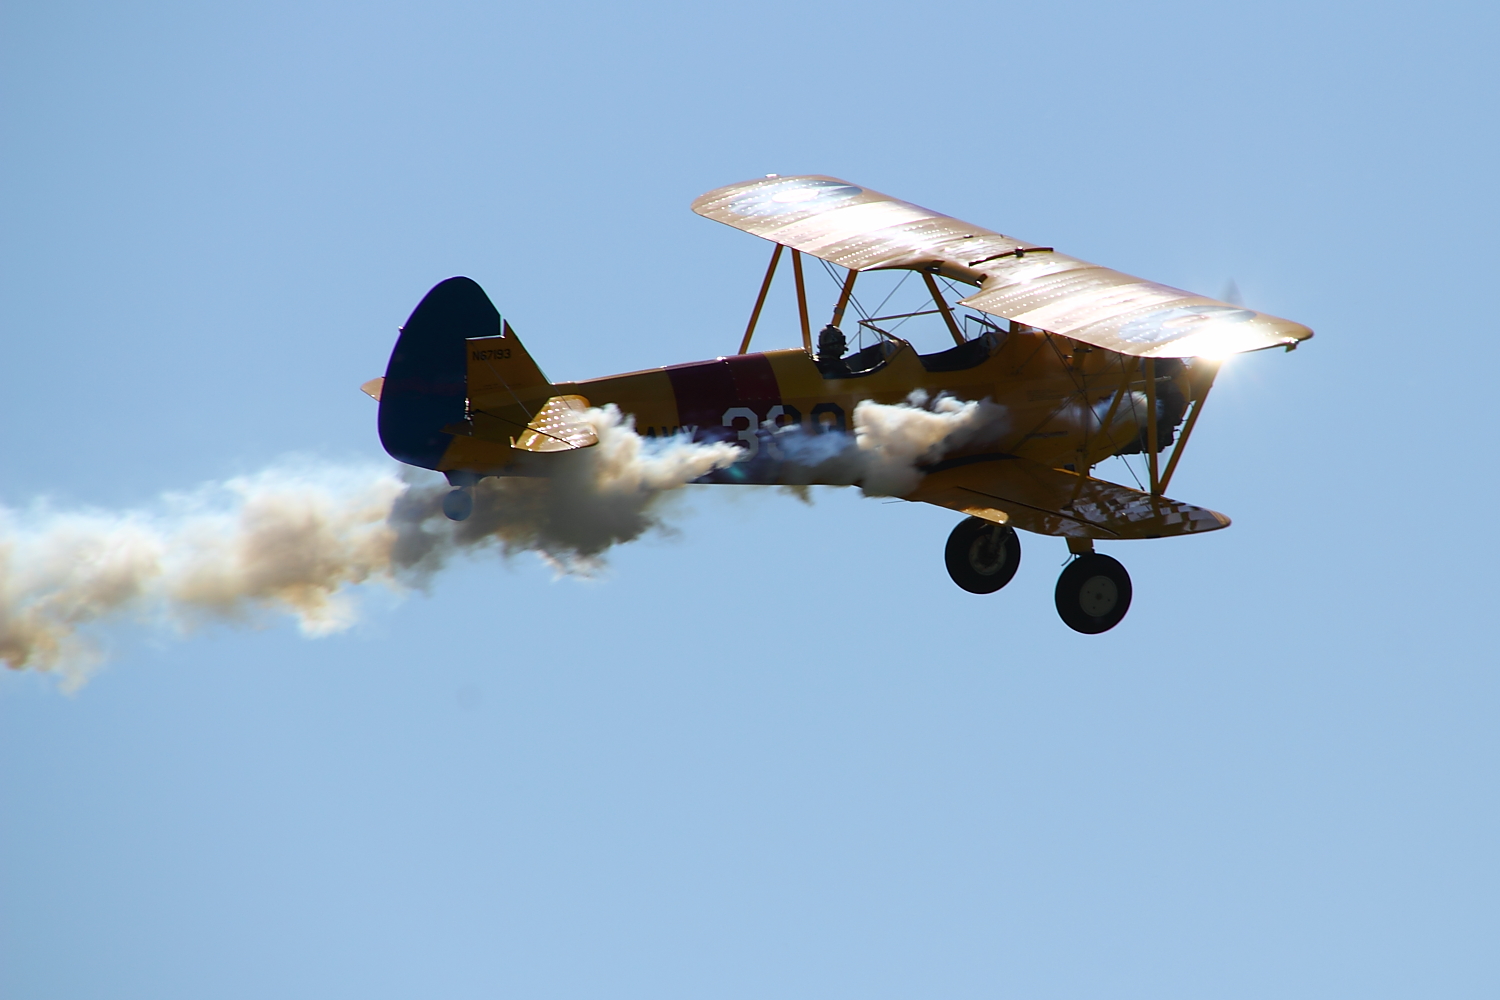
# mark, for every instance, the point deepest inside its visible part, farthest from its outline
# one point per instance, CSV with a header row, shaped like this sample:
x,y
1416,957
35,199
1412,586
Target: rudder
x,y
425,385
500,366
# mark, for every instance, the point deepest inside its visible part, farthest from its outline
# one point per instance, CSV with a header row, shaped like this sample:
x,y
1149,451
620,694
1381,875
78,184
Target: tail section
x,y
426,385
500,367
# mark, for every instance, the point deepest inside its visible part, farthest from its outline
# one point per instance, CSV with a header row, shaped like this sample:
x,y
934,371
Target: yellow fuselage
x,y
1045,383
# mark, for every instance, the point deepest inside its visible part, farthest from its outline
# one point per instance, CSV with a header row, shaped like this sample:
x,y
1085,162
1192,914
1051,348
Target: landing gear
x,y
458,505
982,556
1093,593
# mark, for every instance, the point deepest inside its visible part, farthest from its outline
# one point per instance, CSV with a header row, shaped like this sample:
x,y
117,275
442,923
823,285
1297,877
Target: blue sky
x,y
775,752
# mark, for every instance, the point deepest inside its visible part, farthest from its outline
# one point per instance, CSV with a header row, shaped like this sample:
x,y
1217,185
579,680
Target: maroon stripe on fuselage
x,y
754,381
705,389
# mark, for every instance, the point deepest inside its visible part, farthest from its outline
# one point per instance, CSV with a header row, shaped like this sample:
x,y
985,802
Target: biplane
x,y
1086,362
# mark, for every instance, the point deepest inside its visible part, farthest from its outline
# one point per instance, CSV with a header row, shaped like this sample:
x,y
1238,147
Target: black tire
x,y
1093,594
982,556
458,505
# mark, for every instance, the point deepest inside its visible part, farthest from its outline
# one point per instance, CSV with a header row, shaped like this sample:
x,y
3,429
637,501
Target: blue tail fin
x,y
424,387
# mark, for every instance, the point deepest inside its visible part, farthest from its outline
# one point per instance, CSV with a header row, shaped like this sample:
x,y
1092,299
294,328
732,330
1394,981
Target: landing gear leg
x,y
1093,592
982,556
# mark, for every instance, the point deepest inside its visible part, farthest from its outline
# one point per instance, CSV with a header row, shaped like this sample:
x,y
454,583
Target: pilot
x,y
831,343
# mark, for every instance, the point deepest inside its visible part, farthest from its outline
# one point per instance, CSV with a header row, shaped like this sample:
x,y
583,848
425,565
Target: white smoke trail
x,y
891,442
592,499
295,540
284,539
1129,418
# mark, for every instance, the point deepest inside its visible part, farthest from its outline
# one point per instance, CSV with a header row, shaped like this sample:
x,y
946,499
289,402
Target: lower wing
x,y
1027,495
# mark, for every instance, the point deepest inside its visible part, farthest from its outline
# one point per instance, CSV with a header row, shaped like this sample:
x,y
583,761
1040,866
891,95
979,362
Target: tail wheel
x,y
458,505
982,556
1093,594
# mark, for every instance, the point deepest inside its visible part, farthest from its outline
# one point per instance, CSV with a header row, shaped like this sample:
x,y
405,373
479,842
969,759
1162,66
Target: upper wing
x,y
861,229
1053,502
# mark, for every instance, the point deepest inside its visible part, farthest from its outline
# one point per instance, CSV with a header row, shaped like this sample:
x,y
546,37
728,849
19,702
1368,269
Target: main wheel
x,y
1093,594
458,505
982,556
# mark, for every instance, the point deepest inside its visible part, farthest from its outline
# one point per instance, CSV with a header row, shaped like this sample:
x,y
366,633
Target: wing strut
x,y
844,293
1114,406
1084,465
801,300
1152,447
1187,430
942,304
765,286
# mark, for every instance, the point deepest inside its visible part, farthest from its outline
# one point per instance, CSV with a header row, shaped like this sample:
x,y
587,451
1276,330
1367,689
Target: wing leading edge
x,y
861,229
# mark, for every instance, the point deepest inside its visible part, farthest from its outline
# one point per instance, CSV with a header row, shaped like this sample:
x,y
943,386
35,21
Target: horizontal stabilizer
x,y
372,388
1033,497
558,426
